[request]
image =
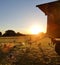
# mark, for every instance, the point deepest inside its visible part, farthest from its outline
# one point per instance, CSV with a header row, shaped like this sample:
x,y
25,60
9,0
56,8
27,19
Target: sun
x,y
36,29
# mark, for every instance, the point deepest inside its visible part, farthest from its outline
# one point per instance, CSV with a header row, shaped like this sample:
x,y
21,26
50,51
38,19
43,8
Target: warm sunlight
x,y
36,29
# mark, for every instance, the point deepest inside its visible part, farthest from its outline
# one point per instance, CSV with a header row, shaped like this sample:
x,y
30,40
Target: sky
x,y
20,15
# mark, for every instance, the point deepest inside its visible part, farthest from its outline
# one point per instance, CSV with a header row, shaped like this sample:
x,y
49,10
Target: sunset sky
x,y
20,15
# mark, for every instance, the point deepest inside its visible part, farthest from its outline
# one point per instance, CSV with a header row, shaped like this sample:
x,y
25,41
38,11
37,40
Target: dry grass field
x,y
27,50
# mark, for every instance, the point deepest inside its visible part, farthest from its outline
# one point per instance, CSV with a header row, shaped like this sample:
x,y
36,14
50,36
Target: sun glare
x,y
36,29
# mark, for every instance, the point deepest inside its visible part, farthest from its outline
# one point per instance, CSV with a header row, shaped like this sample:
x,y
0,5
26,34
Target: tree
x,y
9,33
0,33
19,34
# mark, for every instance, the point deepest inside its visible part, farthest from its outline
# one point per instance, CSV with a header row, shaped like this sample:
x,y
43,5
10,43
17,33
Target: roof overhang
x,y
48,6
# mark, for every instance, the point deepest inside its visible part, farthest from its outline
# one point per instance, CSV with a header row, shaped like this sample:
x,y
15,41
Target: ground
x,y
27,50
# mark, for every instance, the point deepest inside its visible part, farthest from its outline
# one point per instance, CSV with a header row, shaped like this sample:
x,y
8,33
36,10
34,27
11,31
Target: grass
x,y
27,51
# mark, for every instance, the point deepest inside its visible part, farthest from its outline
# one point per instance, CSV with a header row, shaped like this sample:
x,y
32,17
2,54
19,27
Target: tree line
x,y
10,33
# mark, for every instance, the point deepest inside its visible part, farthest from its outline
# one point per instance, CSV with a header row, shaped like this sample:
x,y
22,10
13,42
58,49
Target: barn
x,y
52,11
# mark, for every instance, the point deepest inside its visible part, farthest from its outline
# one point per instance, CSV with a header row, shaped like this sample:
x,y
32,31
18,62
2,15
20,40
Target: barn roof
x,y
48,6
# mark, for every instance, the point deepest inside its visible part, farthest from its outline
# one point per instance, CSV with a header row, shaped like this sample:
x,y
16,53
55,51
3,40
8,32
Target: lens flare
x,y
36,29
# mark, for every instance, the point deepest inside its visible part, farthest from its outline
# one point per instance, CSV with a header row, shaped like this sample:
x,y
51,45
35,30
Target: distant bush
x,y
19,34
9,33
0,33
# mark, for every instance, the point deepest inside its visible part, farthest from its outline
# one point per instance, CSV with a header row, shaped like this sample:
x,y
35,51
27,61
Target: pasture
x,y
27,50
